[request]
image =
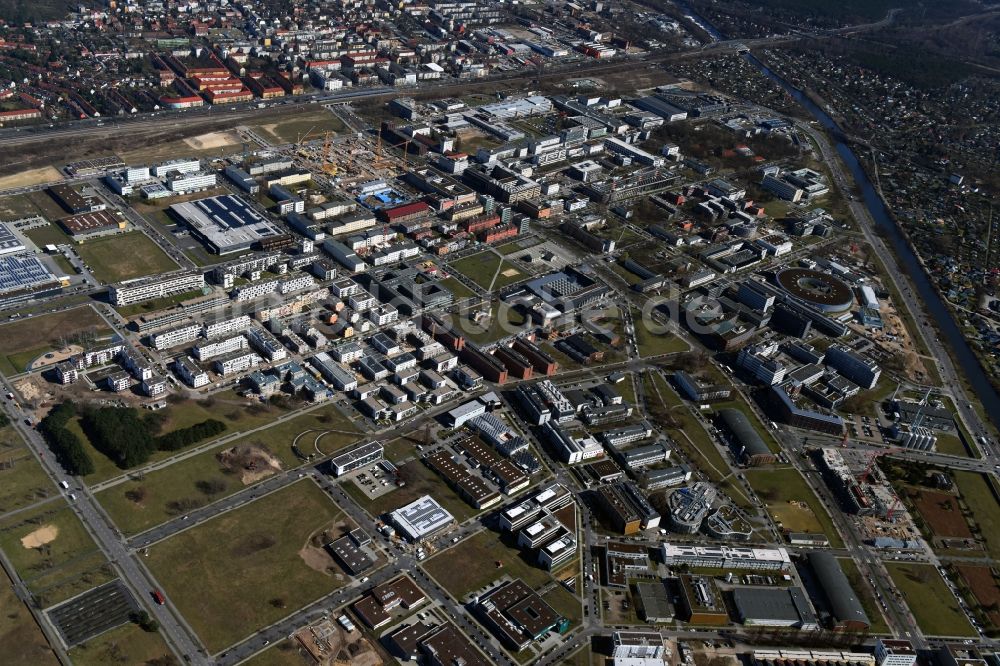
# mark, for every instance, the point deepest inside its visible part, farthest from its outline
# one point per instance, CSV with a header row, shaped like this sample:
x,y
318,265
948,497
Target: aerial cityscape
x,y
476,332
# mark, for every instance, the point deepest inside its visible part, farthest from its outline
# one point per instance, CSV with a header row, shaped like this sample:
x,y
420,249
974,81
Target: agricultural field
x,y
249,567
791,503
482,267
124,257
26,339
929,599
138,504
472,565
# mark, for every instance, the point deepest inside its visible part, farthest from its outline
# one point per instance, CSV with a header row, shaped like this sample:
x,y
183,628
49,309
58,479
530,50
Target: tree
x,y
136,495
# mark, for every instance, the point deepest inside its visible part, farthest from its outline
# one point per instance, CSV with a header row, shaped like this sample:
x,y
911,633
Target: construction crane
x,y
875,456
329,166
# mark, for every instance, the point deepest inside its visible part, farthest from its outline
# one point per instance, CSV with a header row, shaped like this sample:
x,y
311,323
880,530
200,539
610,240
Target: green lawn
x,y
457,289
124,256
21,639
976,491
127,644
481,267
655,344
22,479
865,595
471,565
565,603
792,503
243,570
164,494
929,599
50,234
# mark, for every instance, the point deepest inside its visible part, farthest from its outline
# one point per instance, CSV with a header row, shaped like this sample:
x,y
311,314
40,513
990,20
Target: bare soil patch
x,y
252,462
40,537
942,513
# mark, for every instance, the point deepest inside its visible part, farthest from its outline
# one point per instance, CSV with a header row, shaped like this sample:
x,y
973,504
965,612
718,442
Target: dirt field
x,y
328,643
212,140
40,537
252,462
985,589
942,514
30,177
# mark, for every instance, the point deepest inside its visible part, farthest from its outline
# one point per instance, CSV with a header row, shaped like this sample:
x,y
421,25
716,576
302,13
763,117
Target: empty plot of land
x,y
124,256
984,589
978,491
933,605
791,503
307,126
93,613
22,479
21,639
26,339
245,569
30,177
478,561
128,644
213,140
942,513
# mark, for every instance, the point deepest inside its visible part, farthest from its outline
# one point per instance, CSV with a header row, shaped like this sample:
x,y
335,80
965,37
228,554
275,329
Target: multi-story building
x,y
758,361
227,326
894,652
189,372
175,336
725,557
357,457
149,288
236,362
571,449
209,350
264,344
862,371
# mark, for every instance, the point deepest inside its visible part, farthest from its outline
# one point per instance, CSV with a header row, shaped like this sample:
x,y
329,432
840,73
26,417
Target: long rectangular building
x,y
149,288
356,458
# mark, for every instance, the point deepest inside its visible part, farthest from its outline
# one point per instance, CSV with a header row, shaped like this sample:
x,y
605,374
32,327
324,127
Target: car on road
x,y
158,597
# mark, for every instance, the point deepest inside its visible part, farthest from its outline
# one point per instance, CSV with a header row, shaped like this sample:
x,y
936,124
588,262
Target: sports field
x,y
250,567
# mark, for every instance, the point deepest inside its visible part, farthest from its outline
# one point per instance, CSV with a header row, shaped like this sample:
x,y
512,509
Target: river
x,y
951,334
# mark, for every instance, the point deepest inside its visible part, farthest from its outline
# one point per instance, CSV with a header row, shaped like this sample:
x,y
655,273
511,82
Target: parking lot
x,y
93,613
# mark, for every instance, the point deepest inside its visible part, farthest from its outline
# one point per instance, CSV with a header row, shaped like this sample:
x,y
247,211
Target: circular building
x,y
823,291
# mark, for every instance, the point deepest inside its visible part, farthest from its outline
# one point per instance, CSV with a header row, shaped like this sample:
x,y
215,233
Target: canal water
x,y
951,334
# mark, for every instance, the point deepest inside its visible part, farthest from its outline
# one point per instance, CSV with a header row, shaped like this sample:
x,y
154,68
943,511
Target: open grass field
x,y
239,414
457,289
30,177
565,603
942,513
929,599
984,590
865,595
247,568
304,126
420,481
52,552
127,644
22,479
26,339
655,344
31,203
50,234
21,639
481,267
471,565
791,503
124,256
163,494
287,652
977,491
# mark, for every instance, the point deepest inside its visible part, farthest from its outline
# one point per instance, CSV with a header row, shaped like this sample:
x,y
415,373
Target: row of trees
x,y
127,439
64,443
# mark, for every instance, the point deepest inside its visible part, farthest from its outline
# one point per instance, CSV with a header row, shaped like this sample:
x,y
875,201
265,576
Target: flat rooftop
x,y
228,223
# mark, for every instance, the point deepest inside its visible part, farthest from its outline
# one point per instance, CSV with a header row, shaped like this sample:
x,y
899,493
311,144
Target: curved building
x,y
743,438
846,611
822,291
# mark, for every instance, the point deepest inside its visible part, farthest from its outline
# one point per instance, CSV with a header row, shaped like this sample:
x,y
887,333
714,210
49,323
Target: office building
x,y
357,457
421,518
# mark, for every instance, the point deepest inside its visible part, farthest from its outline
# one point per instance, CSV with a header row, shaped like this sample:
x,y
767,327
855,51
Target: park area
x,y
52,552
934,607
26,339
139,504
483,266
247,568
791,503
124,257
472,565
